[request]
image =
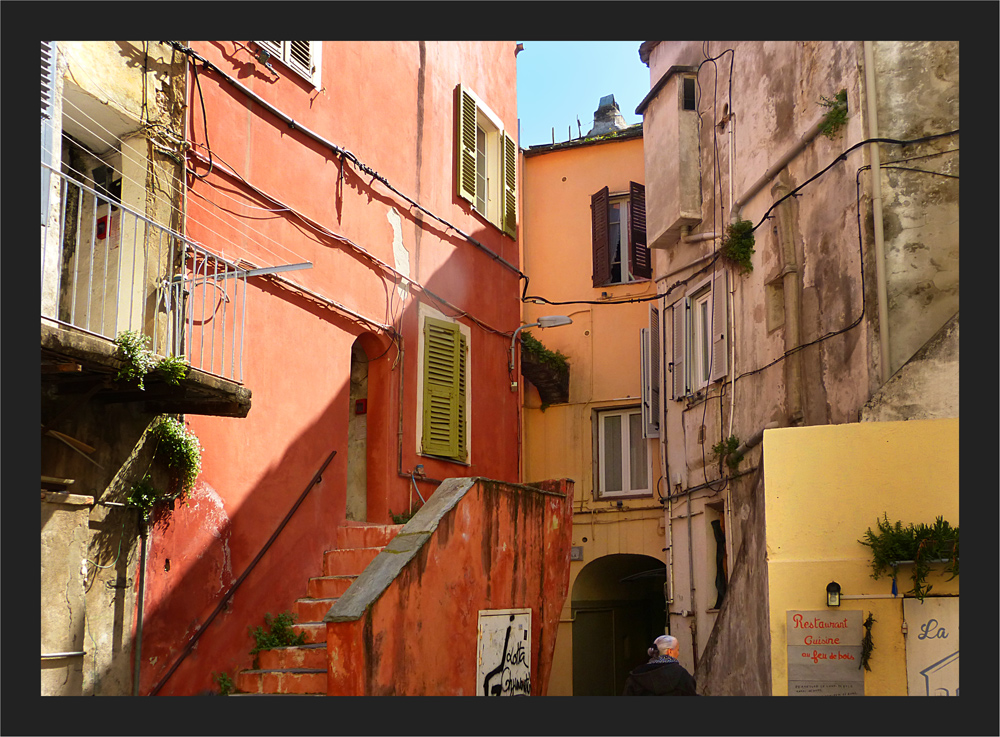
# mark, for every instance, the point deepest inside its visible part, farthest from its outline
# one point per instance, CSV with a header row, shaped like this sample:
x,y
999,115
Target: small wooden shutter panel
x,y
678,383
462,450
300,57
444,421
640,261
651,398
508,166
466,146
48,52
599,216
720,325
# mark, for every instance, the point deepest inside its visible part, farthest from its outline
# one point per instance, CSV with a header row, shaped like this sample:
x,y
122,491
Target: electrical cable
x,y
204,120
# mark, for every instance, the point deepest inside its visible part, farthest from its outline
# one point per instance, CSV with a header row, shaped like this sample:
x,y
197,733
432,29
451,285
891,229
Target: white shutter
x,y
678,382
720,325
48,54
651,375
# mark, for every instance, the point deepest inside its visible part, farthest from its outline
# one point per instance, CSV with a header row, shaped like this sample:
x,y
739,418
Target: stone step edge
x,y
257,671
311,645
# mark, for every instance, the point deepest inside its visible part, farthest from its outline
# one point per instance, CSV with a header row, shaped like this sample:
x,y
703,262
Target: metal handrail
x,y
232,589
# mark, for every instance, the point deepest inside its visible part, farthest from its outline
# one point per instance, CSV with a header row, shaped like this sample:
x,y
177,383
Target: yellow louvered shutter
x,y
466,146
509,167
444,415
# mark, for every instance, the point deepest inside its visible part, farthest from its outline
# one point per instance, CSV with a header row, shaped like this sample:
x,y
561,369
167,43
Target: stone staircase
x,y
301,670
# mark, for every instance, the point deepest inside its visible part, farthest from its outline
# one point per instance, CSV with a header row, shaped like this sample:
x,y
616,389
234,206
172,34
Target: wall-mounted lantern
x,y
833,594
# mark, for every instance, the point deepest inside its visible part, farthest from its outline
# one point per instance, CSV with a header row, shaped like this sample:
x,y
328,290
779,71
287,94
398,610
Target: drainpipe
x,y
790,287
757,186
142,586
694,610
878,222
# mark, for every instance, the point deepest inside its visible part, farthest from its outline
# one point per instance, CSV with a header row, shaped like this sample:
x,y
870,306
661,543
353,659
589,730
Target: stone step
x,y
282,681
366,535
296,656
349,562
315,632
328,587
312,610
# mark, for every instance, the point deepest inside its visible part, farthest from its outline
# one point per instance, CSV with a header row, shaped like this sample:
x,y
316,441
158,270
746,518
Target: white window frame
x,y
621,199
282,51
702,326
600,467
490,137
424,312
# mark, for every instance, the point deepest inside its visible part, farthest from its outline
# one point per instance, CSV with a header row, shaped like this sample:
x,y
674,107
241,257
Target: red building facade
x,y
389,169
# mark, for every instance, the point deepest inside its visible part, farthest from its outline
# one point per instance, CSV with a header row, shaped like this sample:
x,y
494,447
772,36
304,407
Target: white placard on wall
x,y
504,653
931,646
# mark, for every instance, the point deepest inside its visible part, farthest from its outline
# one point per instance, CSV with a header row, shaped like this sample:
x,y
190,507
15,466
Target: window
x,y
619,236
444,410
622,466
700,331
487,163
651,374
302,57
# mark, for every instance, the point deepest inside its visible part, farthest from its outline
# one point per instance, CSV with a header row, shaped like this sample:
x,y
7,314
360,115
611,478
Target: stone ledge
x,y
61,497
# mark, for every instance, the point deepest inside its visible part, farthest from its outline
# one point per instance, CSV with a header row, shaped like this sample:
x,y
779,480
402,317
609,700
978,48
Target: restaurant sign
x,y
824,653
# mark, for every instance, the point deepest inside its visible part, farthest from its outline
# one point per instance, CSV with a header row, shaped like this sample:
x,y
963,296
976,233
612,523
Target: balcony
x,y
106,269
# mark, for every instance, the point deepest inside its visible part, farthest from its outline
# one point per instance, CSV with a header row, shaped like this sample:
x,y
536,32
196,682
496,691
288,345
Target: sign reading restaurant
x,y
824,653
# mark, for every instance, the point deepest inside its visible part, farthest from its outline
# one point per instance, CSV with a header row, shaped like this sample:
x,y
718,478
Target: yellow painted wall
x,y
603,347
825,486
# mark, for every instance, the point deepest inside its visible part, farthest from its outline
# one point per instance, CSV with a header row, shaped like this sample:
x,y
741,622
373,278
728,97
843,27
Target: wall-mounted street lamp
x,y
551,321
833,594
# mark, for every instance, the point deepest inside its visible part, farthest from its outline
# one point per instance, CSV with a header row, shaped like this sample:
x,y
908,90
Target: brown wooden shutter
x,y
640,262
599,216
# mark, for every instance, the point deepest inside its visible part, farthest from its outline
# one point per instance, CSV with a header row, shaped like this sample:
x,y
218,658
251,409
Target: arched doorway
x,y
357,436
618,610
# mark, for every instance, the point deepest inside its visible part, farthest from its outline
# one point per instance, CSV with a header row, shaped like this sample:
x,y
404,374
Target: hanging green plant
x,y
867,644
180,448
536,351
737,245
143,495
138,360
920,545
836,115
725,449
547,370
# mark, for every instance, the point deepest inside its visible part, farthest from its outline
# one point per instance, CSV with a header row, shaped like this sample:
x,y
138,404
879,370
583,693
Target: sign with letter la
x,y
504,653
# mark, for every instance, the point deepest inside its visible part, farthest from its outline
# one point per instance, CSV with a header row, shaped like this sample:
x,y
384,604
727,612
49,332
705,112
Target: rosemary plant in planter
x,y
919,545
547,370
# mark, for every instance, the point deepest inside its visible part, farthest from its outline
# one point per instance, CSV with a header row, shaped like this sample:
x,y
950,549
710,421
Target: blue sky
x,y
560,80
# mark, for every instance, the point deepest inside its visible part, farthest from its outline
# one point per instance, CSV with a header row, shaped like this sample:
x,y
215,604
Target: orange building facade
x,y
585,257
385,356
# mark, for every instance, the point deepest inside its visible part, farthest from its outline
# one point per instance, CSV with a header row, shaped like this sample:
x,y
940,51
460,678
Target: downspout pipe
x,y
772,172
878,222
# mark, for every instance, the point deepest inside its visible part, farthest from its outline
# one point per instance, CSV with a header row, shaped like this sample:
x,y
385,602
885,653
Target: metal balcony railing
x,y
106,268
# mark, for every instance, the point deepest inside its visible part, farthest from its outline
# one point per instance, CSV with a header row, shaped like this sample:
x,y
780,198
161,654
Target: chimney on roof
x,y
607,117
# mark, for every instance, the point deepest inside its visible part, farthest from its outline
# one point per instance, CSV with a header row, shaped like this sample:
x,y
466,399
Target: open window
x,y
619,236
487,163
700,336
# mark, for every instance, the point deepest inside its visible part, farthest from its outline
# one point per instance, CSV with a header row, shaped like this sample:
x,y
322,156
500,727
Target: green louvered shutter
x,y
444,421
466,146
463,424
509,168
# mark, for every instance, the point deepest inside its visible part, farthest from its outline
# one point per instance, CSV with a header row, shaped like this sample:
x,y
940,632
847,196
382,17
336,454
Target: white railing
x,y
106,268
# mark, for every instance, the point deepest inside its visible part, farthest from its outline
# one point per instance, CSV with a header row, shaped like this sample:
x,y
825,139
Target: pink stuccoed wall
x,y
411,628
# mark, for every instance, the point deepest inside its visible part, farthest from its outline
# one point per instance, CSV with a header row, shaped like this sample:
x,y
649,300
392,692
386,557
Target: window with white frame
x,y
302,57
700,333
487,163
621,454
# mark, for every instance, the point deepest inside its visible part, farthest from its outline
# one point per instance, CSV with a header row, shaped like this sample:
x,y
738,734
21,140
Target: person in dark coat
x,y
662,675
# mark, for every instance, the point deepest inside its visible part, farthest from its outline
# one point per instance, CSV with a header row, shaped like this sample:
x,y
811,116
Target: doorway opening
x,y
618,610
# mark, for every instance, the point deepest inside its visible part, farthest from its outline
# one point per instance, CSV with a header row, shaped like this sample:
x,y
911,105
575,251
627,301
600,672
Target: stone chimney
x,y
607,118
